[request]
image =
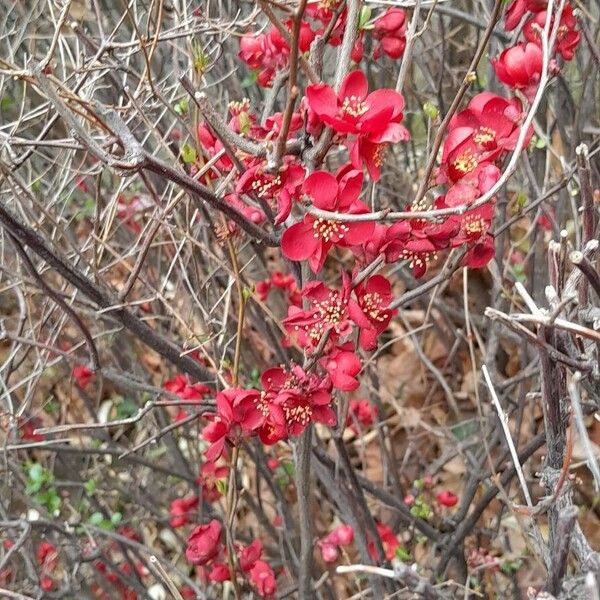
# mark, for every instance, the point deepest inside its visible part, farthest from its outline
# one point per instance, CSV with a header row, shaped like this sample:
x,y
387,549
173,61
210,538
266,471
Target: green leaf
x,y
188,154
245,123
431,110
90,486
182,106
462,431
116,518
36,472
96,519
221,485
126,408
6,102
402,553
365,15
521,200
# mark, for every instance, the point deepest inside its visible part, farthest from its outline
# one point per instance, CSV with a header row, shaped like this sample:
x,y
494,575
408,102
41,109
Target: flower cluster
x,y
267,53
322,215
520,66
329,545
206,549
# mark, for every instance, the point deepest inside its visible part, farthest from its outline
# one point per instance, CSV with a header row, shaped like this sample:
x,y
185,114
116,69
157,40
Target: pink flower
x,y
302,398
342,535
219,573
263,579
517,8
329,552
180,386
283,186
204,543
313,237
355,111
446,498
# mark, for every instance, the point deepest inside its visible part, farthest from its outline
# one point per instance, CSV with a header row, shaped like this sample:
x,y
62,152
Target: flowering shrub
x,y
258,261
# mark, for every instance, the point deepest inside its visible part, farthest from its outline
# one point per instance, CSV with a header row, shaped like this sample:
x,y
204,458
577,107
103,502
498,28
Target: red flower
x,y
388,539
249,555
364,152
180,509
82,375
204,543
328,312
342,535
47,557
213,146
237,415
567,38
219,573
370,311
283,186
263,579
209,475
390,29
361,411
355,111
329,552
517,8
302,398
129,208
520,67
480,254
46,583
27,426
262,289
342,366
446,498
180,386
313,237
490,125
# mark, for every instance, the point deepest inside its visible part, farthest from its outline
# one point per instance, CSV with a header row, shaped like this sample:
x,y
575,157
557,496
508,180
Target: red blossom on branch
x,y
204,543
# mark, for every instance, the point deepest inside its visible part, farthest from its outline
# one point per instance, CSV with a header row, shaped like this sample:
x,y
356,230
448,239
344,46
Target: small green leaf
x,y
188,154
182,106
96,519
431,110
245,123
246,293
521,200
365,15
126,408
6,102
116,518
90,486
402,553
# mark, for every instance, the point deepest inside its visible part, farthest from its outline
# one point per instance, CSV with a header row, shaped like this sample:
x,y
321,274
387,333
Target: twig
x,y
511,446
592,462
